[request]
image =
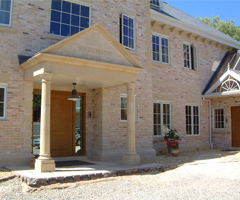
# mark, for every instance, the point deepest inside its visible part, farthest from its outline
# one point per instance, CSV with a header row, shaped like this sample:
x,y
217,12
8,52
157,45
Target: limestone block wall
x,y
222,139
181,87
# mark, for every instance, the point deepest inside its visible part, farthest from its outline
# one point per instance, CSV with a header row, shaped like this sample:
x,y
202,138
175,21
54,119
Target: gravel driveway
x,y
218,179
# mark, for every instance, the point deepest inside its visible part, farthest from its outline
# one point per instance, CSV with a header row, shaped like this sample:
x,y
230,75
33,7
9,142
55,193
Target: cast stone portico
x,y
60,64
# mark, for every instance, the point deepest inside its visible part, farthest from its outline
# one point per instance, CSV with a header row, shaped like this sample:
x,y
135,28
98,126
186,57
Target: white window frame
x,y
75,2
125,96
170,114
214,127
160,48
192,56
10,15
134,31
4,102
192,120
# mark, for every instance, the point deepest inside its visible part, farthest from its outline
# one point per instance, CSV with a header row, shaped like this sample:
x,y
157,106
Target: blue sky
x,y
225,9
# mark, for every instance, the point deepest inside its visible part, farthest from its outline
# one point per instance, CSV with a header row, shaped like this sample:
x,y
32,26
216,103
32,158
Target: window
x,y
3,104
5,12
190,56
155,3
218,118
192,120
68,18
161,118
160,54
124,108
128,32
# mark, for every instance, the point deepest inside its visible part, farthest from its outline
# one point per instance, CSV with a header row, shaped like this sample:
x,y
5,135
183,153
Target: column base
x,y
131,159
45,165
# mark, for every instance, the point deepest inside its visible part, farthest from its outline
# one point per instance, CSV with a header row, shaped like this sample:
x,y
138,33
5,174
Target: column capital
x,y
47,76
131,85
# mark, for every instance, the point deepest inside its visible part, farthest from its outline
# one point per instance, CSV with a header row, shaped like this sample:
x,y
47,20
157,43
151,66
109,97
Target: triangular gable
x,y
228,82
94,43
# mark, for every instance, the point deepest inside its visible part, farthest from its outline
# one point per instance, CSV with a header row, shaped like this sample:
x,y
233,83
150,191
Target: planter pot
x,y
175,152
169,150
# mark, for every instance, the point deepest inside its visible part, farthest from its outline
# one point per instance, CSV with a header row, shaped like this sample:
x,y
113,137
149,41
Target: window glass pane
x,y
131,33
125,30
125,41
56,4
55,16
2,90
131,43
85,11
84,22
65,30
153,39
123,102
55,28
75,9
66,6
75,20
5,5
4,17
74,30
155,129
123,114
155,107
125,20
1,109
65,18
130,22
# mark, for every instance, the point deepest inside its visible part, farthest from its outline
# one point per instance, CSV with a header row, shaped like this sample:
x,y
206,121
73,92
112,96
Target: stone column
x,y
45,163
131,157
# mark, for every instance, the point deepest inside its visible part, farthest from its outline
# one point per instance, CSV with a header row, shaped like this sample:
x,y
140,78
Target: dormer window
x,y
155,3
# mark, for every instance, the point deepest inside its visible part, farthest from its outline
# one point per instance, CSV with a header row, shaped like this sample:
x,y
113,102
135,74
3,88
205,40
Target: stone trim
x,y
7,178
38,182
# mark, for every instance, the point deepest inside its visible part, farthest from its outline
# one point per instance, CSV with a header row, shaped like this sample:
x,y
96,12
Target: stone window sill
x,y
7,29
54,37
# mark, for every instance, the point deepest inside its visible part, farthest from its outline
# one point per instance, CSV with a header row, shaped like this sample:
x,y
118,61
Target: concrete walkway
x,y
81,172
97,170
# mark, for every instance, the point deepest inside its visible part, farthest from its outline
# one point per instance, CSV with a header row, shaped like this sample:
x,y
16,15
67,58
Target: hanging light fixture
x,y
74,96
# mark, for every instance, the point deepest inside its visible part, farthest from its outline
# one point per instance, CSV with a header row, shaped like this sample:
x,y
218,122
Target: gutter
x,y
210,122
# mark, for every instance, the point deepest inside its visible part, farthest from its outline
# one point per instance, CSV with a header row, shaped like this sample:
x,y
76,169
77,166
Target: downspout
x,y
210,122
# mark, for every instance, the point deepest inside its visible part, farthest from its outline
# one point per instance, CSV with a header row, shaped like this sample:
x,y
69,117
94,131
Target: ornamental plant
x,y
172,144
172,139
171,135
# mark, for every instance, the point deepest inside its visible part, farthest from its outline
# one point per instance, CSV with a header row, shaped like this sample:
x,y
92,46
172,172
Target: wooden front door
x,y
61,124
235,111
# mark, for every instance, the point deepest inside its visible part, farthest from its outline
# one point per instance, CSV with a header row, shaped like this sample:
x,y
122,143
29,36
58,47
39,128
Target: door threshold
x,y
71,158
235,148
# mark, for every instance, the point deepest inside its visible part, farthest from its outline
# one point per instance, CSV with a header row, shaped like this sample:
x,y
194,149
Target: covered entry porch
x,y
92,59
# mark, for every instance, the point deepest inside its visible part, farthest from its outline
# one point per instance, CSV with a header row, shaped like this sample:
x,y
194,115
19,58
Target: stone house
x,y
107,79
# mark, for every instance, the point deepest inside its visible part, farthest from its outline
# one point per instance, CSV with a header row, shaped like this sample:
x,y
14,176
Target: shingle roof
x,y
179,15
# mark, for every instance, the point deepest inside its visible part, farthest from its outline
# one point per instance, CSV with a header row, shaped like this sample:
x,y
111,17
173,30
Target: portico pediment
x,y
96,44
92,58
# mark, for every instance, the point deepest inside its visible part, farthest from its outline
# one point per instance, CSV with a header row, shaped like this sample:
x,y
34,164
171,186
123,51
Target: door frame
x,y
74,120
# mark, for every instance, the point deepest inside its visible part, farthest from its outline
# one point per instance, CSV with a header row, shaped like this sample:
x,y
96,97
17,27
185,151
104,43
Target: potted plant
x,y
172,140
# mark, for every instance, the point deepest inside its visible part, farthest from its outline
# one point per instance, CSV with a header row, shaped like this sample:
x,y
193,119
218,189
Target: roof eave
x,y
181,25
